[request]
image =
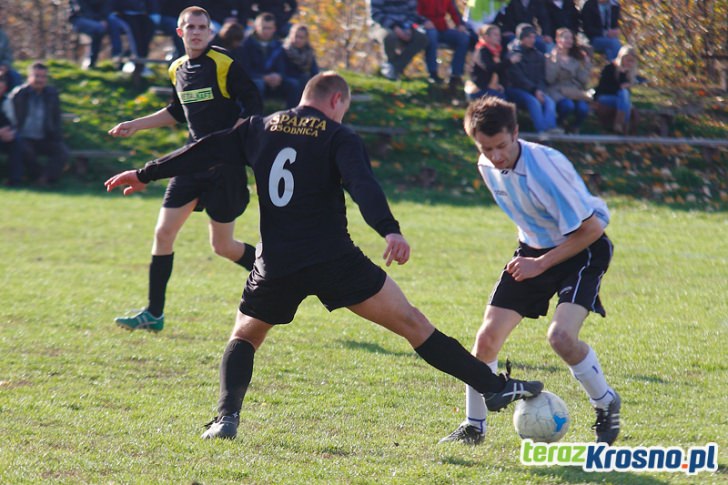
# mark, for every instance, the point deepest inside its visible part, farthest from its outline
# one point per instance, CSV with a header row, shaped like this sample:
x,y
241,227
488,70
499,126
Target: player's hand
x,y
398,249
524,268
128,180
123,130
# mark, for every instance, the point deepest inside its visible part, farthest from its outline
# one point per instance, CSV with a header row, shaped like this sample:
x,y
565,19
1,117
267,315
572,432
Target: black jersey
x,y
302,161
211,92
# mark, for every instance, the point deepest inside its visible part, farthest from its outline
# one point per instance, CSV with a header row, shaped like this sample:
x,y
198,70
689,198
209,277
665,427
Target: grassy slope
x,y
433,159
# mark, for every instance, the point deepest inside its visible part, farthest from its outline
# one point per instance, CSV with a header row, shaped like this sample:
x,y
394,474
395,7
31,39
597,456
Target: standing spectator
x,y
299,58
490,64
10,142
439,32
482,12
6,56
211,93
526,12
282,10
600,21
262,60
527,81
142,17
568,69
94,18
396,26
613,90
303,160
34,108
562,13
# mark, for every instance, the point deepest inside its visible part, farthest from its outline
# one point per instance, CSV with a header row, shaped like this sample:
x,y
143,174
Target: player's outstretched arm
x,y
398,249
129,180
128,128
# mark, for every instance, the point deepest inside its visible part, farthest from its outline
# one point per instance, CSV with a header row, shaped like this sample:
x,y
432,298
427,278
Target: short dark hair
x,y
37,65
266,17
231,32
192,11
490,115
325,84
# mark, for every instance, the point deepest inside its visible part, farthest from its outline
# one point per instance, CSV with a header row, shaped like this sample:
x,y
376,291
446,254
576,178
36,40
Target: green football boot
x,y
141,321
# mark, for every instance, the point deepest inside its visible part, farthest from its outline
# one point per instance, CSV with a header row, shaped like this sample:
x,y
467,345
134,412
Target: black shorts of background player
x,y
210,88
303,159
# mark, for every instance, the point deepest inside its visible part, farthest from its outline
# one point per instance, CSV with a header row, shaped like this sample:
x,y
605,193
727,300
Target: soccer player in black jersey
x,y
211,93
303,159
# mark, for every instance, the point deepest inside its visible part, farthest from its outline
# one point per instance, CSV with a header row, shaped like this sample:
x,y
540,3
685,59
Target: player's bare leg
x,y
169,223
498,323
390,309
223,243
563,336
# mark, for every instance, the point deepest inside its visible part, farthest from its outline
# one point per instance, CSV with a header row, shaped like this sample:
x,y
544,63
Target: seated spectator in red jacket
x,y
439,32
34,109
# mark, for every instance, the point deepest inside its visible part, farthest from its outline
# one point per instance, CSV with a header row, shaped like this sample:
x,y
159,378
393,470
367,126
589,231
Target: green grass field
x,y
334,399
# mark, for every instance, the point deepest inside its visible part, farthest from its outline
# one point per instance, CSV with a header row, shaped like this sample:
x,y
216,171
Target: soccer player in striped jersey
x,y
303,159
562,250
211,93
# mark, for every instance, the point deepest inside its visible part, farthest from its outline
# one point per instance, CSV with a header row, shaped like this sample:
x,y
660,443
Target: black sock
x,y
446,354
160,269
236,370
247,260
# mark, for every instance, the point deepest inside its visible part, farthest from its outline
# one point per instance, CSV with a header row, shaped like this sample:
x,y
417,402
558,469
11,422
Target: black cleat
x,y
224,427
466,434
515,389
607,425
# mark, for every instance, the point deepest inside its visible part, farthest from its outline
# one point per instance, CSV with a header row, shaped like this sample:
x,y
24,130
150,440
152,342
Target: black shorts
x,y
222,192
343,282
576,280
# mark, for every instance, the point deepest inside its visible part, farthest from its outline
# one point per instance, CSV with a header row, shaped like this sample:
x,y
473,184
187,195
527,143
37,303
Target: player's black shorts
x,y
345,281
575,280
222,192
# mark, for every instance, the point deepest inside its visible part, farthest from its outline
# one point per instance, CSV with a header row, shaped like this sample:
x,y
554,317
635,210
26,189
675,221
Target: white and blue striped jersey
x,y
543,194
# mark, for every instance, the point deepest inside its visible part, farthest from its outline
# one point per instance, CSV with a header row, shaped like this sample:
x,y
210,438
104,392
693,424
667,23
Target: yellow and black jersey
x,y
211,92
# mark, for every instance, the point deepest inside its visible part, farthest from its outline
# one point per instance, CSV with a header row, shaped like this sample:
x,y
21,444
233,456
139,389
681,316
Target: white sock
x,y
589,374
475,410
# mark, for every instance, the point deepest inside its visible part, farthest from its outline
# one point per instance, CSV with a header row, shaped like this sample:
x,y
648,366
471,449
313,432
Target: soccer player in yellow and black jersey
x,y
211,93
303,160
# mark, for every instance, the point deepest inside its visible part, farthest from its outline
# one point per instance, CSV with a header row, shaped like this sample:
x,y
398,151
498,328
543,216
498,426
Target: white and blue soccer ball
x,y
543,418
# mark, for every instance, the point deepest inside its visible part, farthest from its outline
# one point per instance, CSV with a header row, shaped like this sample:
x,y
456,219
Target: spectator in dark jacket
x,y
397,27
613,90
562,14
261,57
600,21
94,18
526,12
490,65
34,108
10,142
299,58
527,81
282,10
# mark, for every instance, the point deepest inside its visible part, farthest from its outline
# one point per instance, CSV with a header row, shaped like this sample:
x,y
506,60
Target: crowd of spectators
x,y
535,53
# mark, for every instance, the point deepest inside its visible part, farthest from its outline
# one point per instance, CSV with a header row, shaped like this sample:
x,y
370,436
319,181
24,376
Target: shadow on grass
x,y
372,348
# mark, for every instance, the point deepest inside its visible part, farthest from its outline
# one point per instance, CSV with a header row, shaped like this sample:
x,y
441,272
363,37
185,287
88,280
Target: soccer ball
x,y
543,418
